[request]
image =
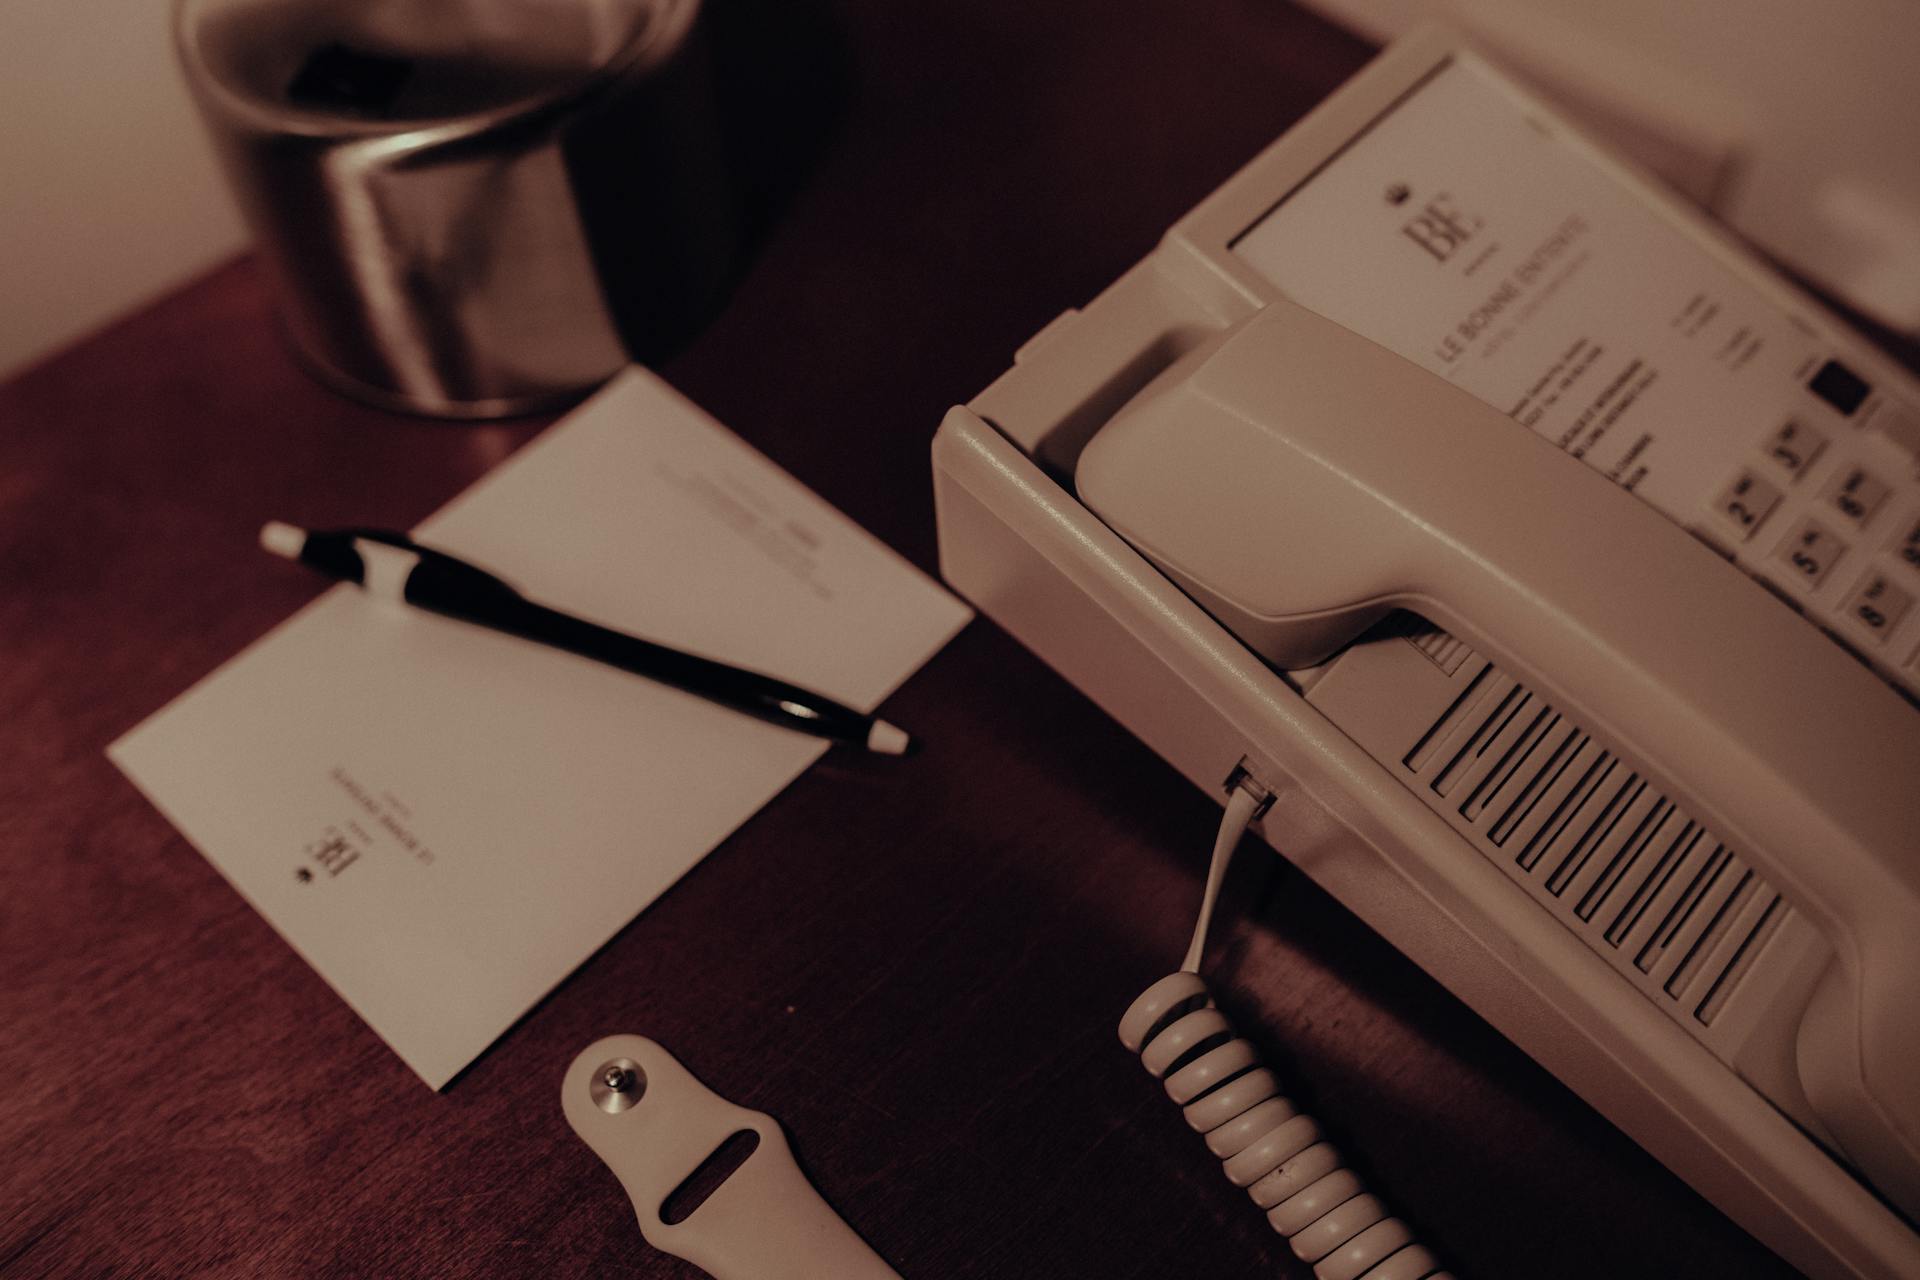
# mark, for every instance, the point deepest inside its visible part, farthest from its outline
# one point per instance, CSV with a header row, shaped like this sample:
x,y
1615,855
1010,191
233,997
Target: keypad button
x,y
1900,424
1839,386
1906,549
1877,605
1856,494
1745,502
1794,446
1810,552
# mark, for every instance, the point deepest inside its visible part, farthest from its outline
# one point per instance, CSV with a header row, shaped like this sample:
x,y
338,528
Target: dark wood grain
x,y
915,965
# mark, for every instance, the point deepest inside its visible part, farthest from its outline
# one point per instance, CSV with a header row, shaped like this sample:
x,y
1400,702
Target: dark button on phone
x,y
1839,386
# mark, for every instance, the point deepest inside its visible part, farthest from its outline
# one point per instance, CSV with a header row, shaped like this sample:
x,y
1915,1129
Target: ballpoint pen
x,y
393,566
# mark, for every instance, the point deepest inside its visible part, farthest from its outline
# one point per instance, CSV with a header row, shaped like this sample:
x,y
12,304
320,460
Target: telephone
x,y
1556,568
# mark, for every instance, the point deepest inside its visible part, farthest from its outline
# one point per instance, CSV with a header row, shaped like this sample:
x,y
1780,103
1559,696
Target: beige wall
x,y
108,194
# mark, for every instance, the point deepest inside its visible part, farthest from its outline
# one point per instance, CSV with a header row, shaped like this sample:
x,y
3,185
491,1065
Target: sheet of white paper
x,y
445,821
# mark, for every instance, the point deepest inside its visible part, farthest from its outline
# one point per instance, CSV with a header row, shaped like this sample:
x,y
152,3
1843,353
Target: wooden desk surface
x,y
916,966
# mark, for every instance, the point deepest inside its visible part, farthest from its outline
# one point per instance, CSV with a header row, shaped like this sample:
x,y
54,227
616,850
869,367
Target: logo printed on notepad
x,y
333,853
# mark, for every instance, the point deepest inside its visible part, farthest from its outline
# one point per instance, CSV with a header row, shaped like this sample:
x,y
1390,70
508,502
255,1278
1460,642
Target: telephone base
x,y
1023,550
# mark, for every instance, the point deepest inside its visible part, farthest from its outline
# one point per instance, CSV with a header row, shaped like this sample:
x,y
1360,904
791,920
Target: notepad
x,y
445,821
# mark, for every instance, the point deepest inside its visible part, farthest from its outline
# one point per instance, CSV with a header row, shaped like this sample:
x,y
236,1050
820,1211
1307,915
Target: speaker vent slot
x,y
1664,900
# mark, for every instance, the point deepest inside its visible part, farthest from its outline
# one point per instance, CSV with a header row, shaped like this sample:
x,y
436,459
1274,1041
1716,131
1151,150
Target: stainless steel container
x,y
470,208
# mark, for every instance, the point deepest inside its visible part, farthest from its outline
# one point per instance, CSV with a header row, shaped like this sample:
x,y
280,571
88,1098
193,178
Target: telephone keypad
x,y
1856,494
1794,447
1877,605
1746,502
1820,486
1810,551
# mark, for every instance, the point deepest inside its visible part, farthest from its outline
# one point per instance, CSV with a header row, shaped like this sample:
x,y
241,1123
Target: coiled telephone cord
x,y
1269,1146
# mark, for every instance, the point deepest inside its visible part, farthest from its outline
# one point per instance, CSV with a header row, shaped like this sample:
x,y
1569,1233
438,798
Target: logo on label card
x,y
1438,225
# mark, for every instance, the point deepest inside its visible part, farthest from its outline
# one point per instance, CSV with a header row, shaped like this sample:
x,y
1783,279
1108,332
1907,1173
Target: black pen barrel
x,y
449,586
750,692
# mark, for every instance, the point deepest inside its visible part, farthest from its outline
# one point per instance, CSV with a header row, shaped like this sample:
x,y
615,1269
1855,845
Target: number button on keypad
x,y
1810,551
1746,502
1877,605
1907,549
1794,447
1900,424
1856,494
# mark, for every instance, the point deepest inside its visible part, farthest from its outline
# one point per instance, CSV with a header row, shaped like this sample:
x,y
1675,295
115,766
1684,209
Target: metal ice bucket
x,y
470,208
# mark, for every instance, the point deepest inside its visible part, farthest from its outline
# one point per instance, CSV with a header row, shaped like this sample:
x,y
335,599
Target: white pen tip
x,y
888,739
282,539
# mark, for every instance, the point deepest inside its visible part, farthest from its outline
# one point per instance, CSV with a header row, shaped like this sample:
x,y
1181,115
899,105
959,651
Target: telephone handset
x,y
1300,483
1557,567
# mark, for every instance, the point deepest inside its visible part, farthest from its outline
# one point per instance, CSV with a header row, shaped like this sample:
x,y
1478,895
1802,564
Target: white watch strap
x,y
765,1222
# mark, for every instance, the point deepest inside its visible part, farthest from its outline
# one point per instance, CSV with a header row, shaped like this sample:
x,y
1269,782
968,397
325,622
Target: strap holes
x,y
708,1176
